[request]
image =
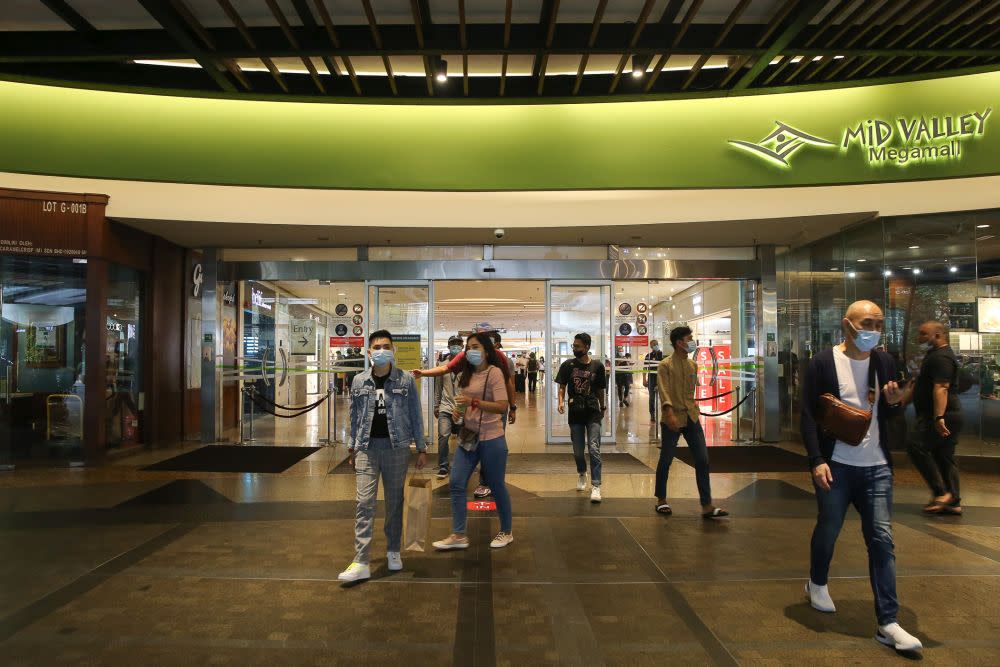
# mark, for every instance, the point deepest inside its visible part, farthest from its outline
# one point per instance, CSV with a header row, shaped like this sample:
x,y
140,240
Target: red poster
x,y
640,341
347,341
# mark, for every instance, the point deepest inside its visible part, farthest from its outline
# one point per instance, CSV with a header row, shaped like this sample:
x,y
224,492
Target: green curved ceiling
x,y
946,126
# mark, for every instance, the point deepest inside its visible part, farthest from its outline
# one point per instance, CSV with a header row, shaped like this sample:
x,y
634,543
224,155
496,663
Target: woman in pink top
x,y
484,397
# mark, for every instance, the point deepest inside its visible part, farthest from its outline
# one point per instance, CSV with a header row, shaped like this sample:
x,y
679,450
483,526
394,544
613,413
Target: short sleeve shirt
x,y
939,366
583,383
487,385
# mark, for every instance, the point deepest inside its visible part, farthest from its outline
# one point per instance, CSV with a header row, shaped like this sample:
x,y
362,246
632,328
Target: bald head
x,y
933,332
859,310
861,318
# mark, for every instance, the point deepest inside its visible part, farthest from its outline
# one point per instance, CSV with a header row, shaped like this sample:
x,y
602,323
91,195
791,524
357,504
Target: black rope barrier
x,y
726,412
259,401
732,391
253,390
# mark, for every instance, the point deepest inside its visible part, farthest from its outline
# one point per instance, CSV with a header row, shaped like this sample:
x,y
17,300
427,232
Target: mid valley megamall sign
x,y
897,142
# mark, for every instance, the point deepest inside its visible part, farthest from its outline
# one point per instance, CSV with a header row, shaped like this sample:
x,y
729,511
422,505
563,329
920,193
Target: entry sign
x,y
303,336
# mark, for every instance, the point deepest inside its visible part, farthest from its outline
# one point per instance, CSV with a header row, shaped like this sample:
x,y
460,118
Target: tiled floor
x,y
233,568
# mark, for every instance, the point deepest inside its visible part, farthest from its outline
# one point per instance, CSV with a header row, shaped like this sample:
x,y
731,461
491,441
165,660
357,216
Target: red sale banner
x,y
723,379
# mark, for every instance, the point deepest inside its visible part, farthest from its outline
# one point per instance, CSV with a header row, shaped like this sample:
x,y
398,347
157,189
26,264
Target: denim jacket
x,y
406,422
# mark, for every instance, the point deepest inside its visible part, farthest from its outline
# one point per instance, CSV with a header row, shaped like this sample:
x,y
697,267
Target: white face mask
x,y
927,347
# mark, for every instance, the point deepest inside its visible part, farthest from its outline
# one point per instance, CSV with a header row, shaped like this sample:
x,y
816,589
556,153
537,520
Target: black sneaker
x,y
443,472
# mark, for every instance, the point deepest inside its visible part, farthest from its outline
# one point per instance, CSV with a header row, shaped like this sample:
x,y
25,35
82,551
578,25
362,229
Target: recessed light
x,y
914,247
852,274
916,270
862,260
887,272
953,269
981,226
833,268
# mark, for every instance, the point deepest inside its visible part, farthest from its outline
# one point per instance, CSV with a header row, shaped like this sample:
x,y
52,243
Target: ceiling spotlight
x,y
639,65
862,260
441,70
852,274
916,271
887,273
914,247
953,269
981,226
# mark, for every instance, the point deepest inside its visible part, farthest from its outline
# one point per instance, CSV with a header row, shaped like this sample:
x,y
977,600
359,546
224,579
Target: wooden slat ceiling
x,y
493,48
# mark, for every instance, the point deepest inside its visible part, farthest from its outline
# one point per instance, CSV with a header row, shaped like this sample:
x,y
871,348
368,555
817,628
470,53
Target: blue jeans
x,y
587,436
695,438
445,427
492,454
869,489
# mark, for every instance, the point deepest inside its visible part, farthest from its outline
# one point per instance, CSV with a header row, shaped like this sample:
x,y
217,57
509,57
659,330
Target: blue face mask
x,y
866,340
455,349
382,358
474,357
691,346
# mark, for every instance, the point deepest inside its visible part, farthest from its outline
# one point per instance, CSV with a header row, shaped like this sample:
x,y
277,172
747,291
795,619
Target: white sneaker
x,y
581,482
355,572
501,540
595,494
898,638
819,598
452,542
395,561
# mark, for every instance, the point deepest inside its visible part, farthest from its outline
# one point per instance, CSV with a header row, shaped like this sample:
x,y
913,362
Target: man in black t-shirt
x,y
939,419
583,380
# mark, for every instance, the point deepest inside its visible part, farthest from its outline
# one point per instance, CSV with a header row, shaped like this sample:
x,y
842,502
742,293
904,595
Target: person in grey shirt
x,y
444,407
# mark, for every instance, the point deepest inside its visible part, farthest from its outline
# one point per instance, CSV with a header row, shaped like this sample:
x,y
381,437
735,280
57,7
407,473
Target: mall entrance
x,y
301,342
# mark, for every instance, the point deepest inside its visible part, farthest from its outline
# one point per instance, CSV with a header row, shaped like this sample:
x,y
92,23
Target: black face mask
x,y
579,354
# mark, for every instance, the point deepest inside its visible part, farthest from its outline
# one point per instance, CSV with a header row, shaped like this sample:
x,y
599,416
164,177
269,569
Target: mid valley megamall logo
x,y
913,140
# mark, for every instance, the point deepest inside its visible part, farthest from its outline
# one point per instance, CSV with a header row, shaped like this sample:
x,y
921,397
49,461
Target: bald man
x,y
861,475
939,419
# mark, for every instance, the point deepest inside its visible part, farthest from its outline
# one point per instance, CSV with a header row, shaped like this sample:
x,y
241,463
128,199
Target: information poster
x,y
407,351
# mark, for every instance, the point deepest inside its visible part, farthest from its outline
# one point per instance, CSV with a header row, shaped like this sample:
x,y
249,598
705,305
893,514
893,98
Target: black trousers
x,y
532,380
934,456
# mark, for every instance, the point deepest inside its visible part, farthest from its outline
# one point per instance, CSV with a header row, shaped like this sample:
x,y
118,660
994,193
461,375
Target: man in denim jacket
x,y
385,418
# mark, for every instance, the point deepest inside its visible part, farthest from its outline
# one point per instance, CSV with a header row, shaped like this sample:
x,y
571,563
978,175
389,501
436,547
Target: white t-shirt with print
x,y
852,376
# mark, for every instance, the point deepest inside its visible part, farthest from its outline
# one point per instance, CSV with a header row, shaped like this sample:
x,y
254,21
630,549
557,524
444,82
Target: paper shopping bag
x,y
417,516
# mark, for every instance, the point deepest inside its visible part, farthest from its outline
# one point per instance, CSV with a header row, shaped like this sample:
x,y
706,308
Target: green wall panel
x,y
652,144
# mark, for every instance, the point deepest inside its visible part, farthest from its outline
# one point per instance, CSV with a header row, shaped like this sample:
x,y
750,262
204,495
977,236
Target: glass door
x,y
404,309
573,307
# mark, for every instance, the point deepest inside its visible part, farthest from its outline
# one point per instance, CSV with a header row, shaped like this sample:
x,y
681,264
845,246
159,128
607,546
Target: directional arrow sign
x,y
303,335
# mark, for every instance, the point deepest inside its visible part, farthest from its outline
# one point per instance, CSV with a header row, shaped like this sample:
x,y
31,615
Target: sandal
x,y
716,513
952,510
934,508
664,508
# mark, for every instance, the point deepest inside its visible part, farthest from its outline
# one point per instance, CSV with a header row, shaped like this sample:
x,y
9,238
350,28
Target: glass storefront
x,y
42,343
943,267
123,358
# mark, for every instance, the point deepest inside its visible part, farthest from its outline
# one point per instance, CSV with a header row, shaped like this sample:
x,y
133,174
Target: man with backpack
x,y
582,379
532,372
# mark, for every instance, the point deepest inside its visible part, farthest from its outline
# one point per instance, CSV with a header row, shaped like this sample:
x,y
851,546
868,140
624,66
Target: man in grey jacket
x,y
444,407
385,419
